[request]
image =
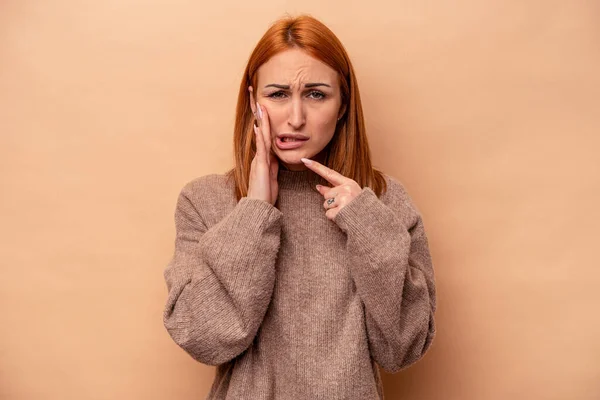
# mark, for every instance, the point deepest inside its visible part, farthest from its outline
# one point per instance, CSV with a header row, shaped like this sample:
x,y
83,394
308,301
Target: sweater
x,y
288,304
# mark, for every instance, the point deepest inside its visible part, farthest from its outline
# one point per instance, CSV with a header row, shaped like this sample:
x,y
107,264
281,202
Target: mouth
x,y
289,142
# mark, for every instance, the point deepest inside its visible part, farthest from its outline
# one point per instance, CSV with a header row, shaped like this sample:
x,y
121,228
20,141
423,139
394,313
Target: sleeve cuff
x,y
366,217
255,214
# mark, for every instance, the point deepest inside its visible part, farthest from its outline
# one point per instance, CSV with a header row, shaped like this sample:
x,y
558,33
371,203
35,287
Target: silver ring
x,y
330,201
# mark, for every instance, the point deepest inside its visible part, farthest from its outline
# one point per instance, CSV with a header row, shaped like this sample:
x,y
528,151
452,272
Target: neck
x,y
320,158
305,179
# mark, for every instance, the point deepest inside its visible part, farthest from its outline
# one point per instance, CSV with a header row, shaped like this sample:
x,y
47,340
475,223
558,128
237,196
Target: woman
x,y
294,290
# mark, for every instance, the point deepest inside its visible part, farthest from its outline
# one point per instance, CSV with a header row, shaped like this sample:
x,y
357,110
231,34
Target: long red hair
x,y
348,151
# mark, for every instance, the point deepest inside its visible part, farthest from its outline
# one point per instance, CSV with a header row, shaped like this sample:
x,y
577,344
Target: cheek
x,y
277,116
323,124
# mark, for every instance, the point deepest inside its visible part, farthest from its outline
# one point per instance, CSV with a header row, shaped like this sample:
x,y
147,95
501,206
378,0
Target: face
x,y
302,96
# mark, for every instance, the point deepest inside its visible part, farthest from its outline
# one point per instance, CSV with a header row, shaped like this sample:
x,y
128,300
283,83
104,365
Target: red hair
x,y
348,151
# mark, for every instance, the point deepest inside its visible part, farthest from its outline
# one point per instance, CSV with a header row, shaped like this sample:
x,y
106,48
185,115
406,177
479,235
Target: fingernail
x,y
258,110
306,161
319,187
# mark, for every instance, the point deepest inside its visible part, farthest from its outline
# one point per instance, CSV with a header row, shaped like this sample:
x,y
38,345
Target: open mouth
x,y
289,143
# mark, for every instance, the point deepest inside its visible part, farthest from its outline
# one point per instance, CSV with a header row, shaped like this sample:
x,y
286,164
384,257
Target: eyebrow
x,y
308,85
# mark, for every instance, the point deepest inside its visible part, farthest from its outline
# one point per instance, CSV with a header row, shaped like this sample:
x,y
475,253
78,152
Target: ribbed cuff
x,y
248,232
368,220
254,214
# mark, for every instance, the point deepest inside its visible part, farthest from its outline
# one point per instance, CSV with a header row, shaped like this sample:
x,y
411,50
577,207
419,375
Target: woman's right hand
x,y
265,165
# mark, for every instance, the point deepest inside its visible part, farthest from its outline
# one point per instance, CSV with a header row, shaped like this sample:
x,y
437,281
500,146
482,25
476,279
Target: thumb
x,y
274,167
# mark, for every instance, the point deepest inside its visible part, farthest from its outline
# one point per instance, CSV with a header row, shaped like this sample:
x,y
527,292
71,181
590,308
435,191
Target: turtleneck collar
x,y
298,180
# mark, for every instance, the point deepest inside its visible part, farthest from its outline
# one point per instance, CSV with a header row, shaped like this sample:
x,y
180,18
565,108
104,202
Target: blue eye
x,y
321,95
315,94
274,95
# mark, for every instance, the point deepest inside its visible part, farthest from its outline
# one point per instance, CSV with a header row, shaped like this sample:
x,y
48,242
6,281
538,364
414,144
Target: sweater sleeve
x,y
220,279
392,269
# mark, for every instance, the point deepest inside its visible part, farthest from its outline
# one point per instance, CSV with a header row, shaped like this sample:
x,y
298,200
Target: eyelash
x,y
321,94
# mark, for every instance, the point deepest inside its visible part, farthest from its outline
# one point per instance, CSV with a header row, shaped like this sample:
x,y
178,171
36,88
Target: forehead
x,y
293,67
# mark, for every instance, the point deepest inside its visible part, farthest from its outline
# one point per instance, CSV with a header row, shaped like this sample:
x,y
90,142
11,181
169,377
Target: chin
x,y
293,158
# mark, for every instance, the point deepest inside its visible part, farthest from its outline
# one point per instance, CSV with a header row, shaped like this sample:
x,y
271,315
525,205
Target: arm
x,y
220,280
393,272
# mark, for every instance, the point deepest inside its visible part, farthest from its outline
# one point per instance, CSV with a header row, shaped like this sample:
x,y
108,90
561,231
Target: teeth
x,y
289,139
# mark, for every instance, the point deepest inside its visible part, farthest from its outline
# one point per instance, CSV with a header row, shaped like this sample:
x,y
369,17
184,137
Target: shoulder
x,y
209,192
206,185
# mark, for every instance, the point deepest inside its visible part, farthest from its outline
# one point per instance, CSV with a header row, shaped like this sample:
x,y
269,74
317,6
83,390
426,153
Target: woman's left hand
x,y
342,193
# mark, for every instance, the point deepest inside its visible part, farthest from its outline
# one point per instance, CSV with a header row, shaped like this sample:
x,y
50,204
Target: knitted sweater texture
x,y
288,304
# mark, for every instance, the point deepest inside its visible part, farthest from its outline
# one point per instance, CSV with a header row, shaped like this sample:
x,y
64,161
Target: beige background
x,y
488,111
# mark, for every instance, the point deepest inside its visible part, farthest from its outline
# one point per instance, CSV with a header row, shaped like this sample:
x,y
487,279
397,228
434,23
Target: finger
x,y
253,105
260,146
265,128
328,206
323,189
333,177
262,155
330,194
274,167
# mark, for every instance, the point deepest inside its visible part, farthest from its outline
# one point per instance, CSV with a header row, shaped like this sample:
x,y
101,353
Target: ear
x,y
252,100
342,111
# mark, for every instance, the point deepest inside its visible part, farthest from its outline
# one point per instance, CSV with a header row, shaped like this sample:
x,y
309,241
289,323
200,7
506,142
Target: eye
x,y
314,94
320,95
276,95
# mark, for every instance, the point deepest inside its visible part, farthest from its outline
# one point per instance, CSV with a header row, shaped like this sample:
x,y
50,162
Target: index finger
x,y
265,127
332,176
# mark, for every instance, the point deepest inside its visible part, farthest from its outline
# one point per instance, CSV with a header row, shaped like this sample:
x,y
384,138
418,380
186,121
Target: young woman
x,y
294,290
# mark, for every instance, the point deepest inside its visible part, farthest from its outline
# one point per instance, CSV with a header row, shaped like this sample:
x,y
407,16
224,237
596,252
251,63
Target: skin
x,y
344,189
312,111
296,108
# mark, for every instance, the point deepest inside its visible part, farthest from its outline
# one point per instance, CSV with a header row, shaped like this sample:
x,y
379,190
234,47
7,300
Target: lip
x,y
300,139
293,135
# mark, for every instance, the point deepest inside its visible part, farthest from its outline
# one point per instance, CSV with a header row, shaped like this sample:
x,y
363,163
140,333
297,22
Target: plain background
x,y
487,111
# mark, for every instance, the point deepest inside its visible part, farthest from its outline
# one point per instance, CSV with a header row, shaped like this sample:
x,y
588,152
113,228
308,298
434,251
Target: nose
x,y
296,116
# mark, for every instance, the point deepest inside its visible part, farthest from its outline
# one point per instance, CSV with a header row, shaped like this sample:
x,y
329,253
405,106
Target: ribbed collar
x,y
298,180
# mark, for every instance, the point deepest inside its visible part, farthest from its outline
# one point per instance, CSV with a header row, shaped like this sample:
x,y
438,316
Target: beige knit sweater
x,y
290,305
